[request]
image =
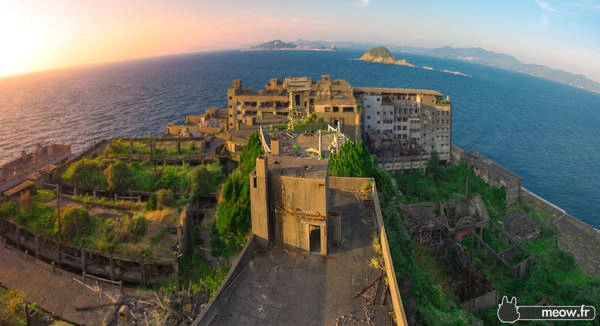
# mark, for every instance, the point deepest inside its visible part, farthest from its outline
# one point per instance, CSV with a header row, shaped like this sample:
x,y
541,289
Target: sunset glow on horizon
x,y
41,35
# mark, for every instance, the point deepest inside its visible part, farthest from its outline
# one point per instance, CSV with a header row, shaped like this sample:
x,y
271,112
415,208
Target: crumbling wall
x,y
389,264
89,261
221,297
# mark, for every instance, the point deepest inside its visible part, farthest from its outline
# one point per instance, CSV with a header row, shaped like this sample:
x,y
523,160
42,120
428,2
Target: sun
x,y
24,41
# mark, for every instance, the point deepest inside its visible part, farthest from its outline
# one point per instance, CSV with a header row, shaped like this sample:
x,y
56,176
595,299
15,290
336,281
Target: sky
x,y
38,35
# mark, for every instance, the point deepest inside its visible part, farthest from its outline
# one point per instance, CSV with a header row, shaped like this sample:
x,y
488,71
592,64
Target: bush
x,y
138,226
353,160
118,177
75,221
12,307
85,172
233,219
8,209
203,180
164,199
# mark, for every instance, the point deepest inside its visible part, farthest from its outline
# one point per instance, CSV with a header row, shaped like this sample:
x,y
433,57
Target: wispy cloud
x,y
588,4
544,5
363,3
543,21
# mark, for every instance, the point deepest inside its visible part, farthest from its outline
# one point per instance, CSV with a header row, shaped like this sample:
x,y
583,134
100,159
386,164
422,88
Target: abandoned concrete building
x,y
494,175
403,126
289,202
295,97
35,167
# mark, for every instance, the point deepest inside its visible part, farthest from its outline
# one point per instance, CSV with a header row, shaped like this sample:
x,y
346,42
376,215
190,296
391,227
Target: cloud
x,y
544,5
588,5
543,21
363,3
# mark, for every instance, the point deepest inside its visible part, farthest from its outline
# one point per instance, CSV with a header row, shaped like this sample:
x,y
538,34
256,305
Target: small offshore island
x,y
306,202
382,55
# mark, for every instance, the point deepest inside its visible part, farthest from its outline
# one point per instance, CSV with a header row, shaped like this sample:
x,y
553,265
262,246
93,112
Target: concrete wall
x,y
389,264
259,200
214,306
350,184
482,302
304,194
93,262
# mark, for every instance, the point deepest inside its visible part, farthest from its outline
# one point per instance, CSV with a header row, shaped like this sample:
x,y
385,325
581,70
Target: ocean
x,y
544,131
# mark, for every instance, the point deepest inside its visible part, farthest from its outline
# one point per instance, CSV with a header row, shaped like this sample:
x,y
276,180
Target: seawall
x,y
573,235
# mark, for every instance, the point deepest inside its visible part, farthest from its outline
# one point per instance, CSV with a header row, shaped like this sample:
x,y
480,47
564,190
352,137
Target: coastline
x,y
577,237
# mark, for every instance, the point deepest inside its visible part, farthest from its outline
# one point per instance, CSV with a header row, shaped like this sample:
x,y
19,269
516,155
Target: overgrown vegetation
x,y
233,221
433,306
165,148
118,176
555,275
353,160
203,180
450,184
12,307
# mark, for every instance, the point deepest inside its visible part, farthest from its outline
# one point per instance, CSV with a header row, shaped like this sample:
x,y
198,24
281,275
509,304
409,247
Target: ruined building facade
x,y
296,97
403,126
289,199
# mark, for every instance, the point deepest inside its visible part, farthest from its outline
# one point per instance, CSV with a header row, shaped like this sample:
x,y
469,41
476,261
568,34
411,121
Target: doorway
x,y
315,238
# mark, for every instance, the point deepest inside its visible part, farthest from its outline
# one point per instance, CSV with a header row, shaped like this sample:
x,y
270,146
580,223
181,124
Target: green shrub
x,y
118,177
203,180
85,172
138,226
353,160
8,209
75,221
164,198
12,304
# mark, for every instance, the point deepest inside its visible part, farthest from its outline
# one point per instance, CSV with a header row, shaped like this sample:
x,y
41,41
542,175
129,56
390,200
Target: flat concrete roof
x,y
397,90
291,287
292,166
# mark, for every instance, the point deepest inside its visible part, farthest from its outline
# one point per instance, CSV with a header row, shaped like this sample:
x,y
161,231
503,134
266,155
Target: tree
x,y
353,160
118,177
203,181
164,198
84,172
74,222
434,170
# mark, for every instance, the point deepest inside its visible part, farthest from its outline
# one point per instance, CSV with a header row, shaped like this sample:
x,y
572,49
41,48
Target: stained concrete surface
x,y
291,287
55,291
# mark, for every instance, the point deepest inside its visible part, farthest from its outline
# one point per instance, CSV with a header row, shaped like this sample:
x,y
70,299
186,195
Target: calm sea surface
x,y
546,132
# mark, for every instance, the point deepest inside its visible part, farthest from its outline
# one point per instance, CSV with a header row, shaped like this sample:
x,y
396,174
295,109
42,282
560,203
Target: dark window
x,y
297,99
336,109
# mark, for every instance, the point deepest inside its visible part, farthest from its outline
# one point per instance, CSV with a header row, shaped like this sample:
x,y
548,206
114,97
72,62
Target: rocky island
x,y
383,55
279,45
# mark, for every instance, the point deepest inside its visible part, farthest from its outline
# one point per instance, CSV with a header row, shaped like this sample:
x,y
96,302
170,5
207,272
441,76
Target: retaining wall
x,y
89,261
214,306
389,264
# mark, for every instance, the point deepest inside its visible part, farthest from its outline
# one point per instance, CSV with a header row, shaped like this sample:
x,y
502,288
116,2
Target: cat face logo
x,y
508,312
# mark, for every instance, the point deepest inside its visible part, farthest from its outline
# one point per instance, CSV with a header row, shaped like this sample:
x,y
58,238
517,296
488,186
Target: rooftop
x,y
290,287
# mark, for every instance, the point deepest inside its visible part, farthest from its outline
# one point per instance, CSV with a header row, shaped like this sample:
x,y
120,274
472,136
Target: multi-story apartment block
x,y
296,97
403,126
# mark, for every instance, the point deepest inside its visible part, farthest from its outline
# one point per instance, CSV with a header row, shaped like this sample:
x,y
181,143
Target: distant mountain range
x,y
281,45
480,56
